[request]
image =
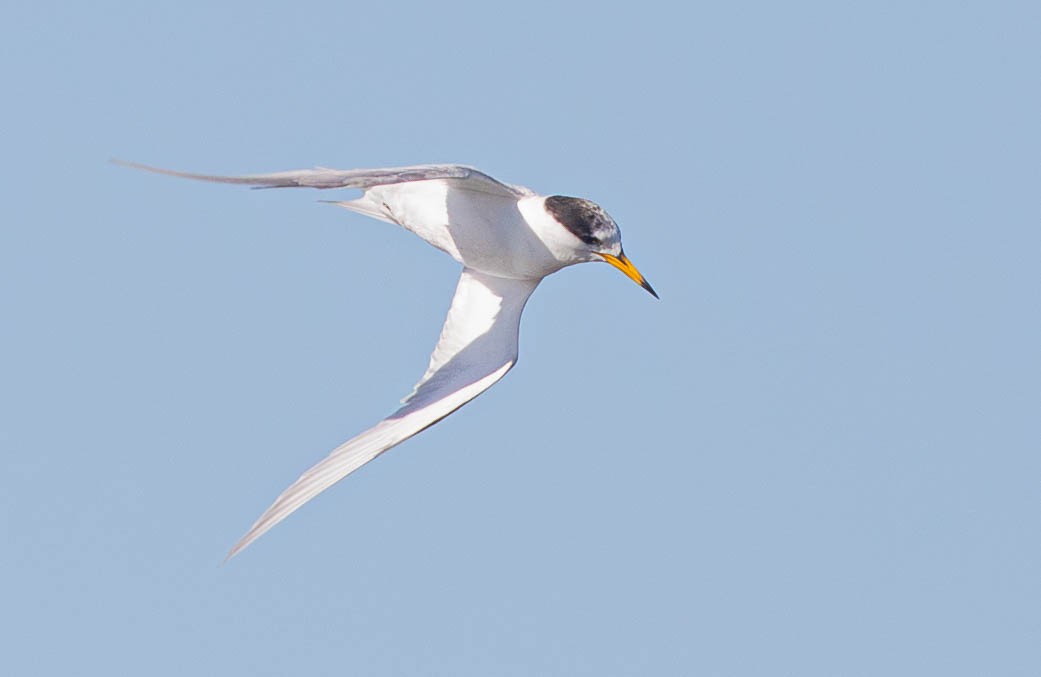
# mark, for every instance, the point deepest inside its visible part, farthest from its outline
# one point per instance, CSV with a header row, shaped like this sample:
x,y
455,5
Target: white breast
x,y
484,231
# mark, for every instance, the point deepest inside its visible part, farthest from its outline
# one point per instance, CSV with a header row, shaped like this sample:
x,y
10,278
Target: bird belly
x,y
483,231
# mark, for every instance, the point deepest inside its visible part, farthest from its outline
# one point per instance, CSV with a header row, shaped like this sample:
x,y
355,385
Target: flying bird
x,y
507,238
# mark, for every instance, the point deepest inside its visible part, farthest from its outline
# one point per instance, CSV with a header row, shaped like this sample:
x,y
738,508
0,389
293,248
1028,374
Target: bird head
x,y
597,232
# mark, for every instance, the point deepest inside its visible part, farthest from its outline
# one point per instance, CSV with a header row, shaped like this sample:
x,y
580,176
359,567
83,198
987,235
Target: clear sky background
x,y
818,454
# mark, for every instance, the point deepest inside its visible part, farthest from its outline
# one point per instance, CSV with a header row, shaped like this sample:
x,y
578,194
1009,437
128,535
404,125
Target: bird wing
x,y
323,178
478,345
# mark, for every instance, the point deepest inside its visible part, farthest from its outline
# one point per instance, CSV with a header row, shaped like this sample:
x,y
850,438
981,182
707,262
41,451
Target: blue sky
x,y
816,455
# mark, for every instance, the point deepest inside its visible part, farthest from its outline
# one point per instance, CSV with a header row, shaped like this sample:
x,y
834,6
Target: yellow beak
x,y
622,263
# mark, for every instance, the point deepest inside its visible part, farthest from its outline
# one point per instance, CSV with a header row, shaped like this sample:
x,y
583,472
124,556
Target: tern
x,y
507,238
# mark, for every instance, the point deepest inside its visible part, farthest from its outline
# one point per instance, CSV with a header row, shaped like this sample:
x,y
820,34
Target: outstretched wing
x,y
321,177
478,345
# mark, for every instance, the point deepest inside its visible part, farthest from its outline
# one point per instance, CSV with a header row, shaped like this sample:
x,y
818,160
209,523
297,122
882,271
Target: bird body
x,y
507,238
496,233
